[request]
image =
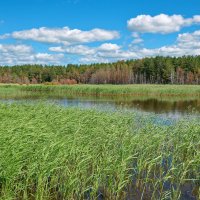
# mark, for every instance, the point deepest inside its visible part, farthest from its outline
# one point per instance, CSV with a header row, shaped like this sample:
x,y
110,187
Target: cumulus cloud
x,y
104,53
137,41
15,49
160,23
93,59
85,50
186,44
24,54
109,47
72,42
65,35
118,55
189,40
4,36
48,58
76,50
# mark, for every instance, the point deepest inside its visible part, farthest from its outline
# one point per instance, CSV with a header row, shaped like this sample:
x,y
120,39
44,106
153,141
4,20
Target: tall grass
x,y
48,152
109,90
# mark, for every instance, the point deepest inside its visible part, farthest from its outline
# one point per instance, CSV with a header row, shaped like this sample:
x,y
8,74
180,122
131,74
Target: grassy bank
x,y
113,90
48,152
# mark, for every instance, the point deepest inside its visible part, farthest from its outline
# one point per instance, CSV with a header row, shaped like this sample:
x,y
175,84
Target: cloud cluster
x,y
137,39
161,23
189,40
24,54
104,53
186,44
69,43
65,35
76,50
15,49
85,50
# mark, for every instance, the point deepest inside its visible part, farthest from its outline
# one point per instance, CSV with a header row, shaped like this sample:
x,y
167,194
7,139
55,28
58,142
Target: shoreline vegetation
x,y
133,90
47,152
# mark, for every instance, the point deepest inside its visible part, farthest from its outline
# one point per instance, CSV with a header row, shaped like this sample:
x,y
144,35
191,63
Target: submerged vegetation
x,y
49,152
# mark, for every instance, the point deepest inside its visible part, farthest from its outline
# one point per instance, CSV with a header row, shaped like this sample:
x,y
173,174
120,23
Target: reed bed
x,y
114,90
52,153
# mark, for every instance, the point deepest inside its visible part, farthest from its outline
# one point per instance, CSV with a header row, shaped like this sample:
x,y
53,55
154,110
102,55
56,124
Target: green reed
x,y
109,90
49,152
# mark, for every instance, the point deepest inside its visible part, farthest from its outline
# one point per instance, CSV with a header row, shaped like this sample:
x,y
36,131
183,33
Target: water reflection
x,y
169,106
158,106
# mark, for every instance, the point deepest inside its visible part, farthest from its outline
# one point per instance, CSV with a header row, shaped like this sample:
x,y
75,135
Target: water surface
x,y
168,106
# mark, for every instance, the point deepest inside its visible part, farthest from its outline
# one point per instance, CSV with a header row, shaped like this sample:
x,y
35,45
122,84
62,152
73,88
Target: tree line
x,y
154,70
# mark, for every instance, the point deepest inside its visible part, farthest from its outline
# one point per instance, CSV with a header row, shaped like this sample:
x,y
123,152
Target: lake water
x,y
168,106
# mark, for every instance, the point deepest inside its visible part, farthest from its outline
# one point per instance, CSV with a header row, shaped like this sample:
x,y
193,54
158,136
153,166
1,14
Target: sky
x,y
65,32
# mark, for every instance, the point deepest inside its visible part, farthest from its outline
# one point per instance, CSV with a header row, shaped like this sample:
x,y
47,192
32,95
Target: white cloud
x,y
162,51
77,50
118,55
137,41
65,35
135,35
161,23
15,49
23,54
109,47
104,53
93,59
189,40
46,58
186,44
85,50
4,36
68,40
196,18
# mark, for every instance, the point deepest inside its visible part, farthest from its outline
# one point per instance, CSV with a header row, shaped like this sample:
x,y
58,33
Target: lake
x,y
167,106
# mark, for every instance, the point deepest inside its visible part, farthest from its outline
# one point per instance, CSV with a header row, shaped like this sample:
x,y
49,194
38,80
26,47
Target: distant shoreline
x,y
111,90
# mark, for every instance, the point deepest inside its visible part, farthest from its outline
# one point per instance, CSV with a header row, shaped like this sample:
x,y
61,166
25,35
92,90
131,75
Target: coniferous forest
x,y
157,70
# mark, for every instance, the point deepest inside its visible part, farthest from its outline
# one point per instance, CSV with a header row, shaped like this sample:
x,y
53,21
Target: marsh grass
x,y
48,153
112,90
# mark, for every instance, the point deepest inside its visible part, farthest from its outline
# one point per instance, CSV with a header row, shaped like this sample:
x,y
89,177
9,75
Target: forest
x,y
154,70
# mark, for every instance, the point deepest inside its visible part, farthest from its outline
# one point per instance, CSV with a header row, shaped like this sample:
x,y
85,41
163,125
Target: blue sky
x,y
87,31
